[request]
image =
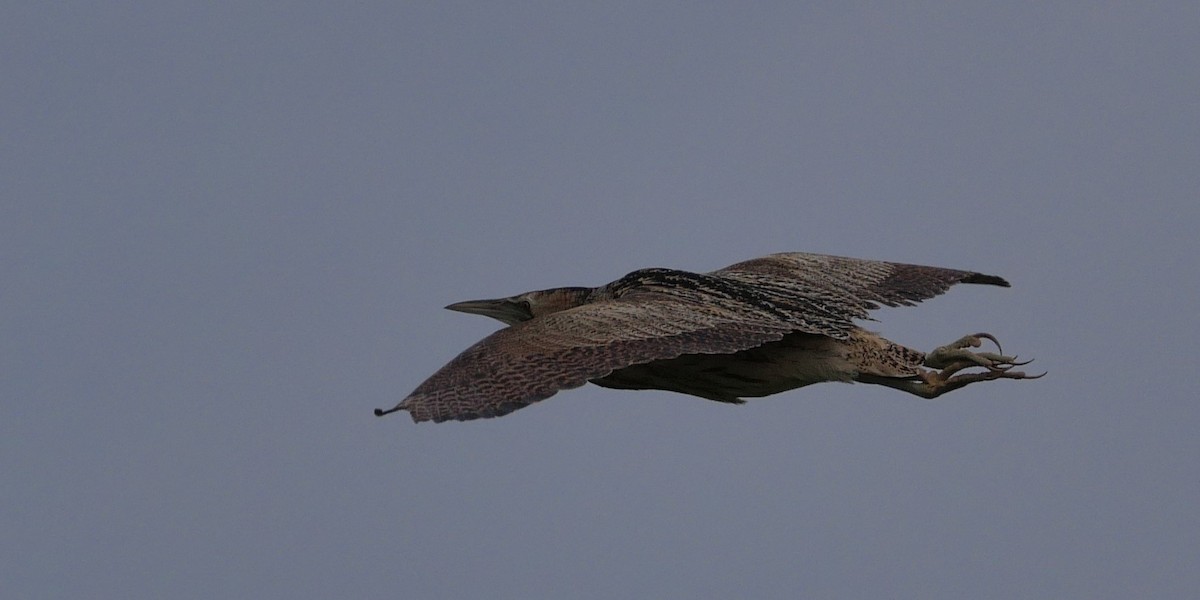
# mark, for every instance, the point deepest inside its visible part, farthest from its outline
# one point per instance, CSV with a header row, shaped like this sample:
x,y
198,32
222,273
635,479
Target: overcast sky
x,y
228,230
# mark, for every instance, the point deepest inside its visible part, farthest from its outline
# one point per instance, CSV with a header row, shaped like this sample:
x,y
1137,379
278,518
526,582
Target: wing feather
x,y
843,289
531,361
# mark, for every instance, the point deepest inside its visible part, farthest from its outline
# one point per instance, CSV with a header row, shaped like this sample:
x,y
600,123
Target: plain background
x,y
228,230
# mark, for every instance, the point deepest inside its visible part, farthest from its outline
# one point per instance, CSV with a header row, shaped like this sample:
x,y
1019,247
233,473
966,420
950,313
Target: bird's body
x,y
797,360
752,329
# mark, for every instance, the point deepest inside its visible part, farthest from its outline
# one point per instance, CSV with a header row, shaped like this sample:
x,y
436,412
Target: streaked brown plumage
x,y
752,329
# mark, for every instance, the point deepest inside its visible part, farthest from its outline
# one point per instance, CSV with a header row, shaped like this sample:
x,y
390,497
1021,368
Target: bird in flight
x,y
752,329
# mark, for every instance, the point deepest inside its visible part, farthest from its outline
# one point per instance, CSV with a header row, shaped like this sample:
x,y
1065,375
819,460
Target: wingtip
x,y
986,280
379,412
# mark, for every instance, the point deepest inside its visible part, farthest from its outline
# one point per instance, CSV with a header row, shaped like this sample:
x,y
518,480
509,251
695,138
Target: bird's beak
x,y
499,309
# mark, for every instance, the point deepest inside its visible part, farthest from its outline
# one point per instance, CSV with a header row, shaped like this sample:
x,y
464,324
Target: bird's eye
x,y
525,305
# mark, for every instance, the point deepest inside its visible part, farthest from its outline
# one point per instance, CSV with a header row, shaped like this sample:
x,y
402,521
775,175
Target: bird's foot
x,y
956,354
954,357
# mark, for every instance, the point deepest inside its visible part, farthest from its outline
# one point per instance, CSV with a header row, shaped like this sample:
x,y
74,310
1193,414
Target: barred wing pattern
x,y
531,361
839,290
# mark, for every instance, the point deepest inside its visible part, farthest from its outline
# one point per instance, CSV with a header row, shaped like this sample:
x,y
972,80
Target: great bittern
x,y
752,329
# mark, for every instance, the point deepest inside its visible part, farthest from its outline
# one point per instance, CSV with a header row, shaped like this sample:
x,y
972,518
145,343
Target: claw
x,y
951,383
1022,375
988,336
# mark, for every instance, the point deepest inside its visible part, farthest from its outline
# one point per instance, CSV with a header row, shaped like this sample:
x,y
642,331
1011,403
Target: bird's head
x,y
523,307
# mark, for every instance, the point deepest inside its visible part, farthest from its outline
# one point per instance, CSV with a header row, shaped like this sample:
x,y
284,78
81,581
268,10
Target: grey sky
x,y
229,229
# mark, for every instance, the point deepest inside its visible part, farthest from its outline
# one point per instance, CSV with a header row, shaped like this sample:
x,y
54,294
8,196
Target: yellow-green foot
x,y
948,360
956,355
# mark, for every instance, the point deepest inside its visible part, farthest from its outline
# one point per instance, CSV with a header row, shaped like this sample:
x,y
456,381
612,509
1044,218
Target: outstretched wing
x,y
531,361
832,291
